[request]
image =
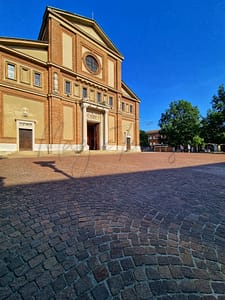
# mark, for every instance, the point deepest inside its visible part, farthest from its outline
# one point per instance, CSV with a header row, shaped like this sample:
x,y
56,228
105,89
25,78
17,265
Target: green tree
x,y
180,123
198,142
143,139
213,125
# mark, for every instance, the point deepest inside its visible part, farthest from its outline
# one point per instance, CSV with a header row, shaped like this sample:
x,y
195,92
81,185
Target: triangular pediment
x,y
91,32
86,26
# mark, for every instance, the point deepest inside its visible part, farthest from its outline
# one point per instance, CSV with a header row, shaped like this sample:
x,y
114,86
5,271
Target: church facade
x,y
64,92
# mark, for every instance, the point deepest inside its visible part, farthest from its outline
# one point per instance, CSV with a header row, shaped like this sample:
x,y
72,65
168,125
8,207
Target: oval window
x,y
91,63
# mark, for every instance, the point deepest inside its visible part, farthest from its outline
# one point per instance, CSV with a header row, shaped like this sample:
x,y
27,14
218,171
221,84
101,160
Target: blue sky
x,y
173,49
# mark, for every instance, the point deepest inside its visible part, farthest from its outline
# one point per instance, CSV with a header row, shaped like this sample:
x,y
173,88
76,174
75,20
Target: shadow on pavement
x,y
140,235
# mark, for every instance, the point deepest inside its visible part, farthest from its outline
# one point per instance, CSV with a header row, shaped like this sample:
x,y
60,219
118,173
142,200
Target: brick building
x,y
64,90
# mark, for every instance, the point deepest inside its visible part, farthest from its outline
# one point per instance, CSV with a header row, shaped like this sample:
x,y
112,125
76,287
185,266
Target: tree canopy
x,y
213,125
143,139
180,123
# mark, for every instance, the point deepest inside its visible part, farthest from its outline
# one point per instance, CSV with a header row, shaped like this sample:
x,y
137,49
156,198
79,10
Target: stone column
x,y
84,127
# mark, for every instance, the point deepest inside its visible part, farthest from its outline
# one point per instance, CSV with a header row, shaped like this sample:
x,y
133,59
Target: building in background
x,y
64,90
156,142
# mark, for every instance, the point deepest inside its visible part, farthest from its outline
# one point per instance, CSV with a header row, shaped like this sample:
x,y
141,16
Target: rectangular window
x,y
99,97
131,109
111,101
123,106
84,92
67,88
11,71
37,79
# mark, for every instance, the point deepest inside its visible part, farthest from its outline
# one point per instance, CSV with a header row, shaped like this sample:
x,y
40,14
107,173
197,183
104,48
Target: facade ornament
x,y
55,83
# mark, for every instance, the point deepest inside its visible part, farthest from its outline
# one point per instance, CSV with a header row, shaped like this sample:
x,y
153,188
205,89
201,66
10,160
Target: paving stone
x,y
129,294
82,285
5,292
50,262
139,274
14,296
6,279
176,272
115,284
18,283
45,293
152,273
114,267
15,263
128,277
58,284
187,286
218,287
3,269
127,263
71,276
56,270
100,273
82,269
34,273
155,287
67,293
44,279
29,290
100,292
35,261
21,270
143,291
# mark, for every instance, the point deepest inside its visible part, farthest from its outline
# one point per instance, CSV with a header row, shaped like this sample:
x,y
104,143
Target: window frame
x,y
111,101
99,97
34,78
84,92
131,109
67,84
9,64
89,66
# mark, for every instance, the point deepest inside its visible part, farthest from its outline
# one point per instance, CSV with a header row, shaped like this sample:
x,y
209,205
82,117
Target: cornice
x,y
22,90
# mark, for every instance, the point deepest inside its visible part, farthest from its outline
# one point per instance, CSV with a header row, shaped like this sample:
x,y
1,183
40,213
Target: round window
x,y
91,63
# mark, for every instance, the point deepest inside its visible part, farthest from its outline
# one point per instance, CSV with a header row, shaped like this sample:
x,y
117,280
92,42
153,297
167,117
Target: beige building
x,y
64,92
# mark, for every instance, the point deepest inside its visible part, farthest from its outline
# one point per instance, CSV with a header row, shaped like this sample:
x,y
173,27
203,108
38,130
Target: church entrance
x,y
93,136
25,139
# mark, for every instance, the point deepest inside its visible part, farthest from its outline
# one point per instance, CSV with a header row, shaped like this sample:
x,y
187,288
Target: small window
x,y
67,88
11,71
111,101
131,109
37,79
99,97
84,92
123,106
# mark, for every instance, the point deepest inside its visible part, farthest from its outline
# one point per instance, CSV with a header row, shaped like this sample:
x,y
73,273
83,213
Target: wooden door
x,y
93,136
25,140
128,143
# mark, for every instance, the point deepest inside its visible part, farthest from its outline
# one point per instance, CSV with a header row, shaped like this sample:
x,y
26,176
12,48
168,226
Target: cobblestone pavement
x,y
120,226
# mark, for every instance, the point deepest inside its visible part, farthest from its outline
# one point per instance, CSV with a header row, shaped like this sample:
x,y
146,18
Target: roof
x,y
84,25
126,91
